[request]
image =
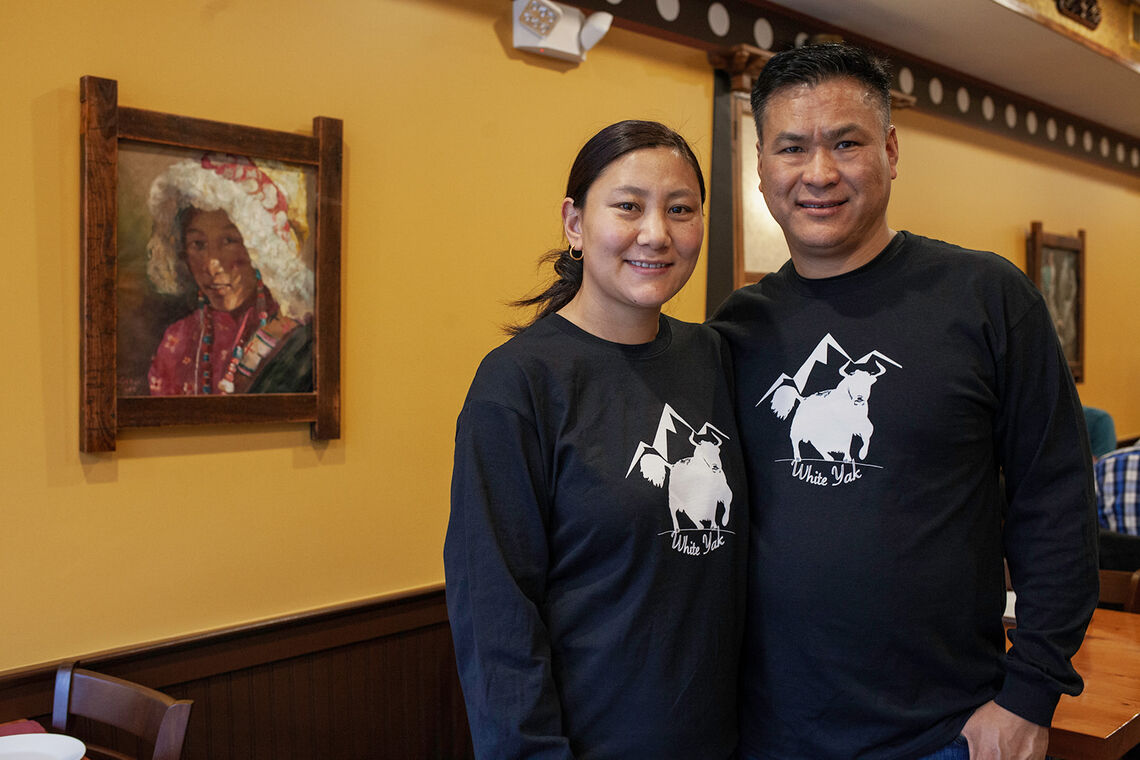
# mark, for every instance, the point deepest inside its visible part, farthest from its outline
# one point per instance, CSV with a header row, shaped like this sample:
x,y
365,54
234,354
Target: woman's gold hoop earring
x,y
570,251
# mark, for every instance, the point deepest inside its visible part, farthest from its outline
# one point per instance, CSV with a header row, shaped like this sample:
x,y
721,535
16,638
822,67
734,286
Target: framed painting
x,y
1056,264
210,271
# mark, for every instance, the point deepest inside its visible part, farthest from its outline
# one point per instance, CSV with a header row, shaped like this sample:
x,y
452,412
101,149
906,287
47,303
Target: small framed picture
x,y
210,273
1056,264
759,246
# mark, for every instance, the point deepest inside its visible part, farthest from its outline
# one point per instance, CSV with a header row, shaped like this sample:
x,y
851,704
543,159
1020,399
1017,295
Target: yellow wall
x,y
979,190
456,151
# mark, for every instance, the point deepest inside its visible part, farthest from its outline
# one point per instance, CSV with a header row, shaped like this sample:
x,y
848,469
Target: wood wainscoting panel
x,y
373,680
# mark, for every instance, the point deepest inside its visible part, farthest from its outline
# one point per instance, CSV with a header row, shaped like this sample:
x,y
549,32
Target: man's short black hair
x,y
817,63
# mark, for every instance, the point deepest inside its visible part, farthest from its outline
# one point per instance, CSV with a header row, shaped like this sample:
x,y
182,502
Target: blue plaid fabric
x,y
1118,491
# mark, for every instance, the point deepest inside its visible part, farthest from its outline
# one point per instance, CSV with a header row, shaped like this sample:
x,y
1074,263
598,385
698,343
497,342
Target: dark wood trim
x,y
326,369
99,168
297,682
162,411
204,134
161,663
719,284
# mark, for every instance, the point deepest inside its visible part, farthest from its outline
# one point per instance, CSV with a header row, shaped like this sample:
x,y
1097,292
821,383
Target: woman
x,y
594,554
221,225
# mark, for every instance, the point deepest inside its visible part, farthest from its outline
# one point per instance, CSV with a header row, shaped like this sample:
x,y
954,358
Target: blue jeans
x,y
955,750
958,749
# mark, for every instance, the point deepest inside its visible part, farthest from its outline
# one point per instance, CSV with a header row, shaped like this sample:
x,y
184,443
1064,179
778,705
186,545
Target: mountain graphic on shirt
x,y
827,404
698,493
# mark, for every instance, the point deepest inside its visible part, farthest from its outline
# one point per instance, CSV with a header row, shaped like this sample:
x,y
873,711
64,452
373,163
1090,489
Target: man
x,y
884,381
1118,490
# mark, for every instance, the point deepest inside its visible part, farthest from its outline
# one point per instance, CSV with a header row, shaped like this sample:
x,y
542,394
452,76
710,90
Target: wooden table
x,y
1104,721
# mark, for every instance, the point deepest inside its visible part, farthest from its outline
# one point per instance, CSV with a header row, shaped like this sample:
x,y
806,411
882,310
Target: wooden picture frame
x,y
1056,264
108,401
758,243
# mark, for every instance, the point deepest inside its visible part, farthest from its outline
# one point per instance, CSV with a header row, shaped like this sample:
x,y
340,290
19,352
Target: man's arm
x,y
1049,532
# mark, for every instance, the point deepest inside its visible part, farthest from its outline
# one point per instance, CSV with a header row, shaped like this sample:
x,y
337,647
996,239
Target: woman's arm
x,y
496,561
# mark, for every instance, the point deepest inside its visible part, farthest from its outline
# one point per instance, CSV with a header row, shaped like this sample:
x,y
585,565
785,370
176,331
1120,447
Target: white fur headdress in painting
x,y
257,204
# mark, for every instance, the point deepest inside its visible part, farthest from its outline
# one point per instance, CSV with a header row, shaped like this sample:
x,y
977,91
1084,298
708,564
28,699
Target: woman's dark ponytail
x,y
568,279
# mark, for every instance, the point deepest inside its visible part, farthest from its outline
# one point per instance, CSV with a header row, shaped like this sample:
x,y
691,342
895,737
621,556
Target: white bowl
x,y
41,747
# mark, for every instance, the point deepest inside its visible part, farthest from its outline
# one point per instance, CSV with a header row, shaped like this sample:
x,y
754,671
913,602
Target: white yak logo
x,y
831,419
697,484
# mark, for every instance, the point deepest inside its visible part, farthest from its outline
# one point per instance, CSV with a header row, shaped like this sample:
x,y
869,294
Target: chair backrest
x,y
1120,587
154,717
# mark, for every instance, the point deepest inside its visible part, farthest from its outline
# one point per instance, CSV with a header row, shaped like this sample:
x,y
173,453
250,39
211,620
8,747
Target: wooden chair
x,y
1120,587
157,720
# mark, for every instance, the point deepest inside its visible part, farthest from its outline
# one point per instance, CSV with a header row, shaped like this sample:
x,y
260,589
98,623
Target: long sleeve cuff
x,y
1029,699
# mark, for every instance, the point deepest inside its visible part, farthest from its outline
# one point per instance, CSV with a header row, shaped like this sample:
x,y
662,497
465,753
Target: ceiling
x,y
988,41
